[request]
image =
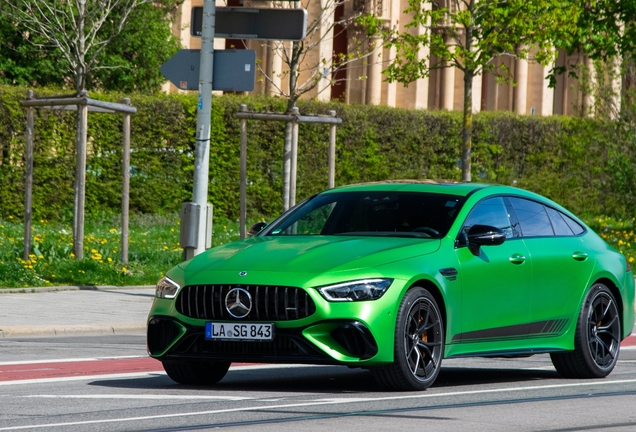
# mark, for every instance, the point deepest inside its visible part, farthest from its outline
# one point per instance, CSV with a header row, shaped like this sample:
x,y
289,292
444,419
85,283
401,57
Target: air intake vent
x,y
268,303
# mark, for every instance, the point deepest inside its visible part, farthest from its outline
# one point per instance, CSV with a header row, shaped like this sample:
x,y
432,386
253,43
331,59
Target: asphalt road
x,y
106,383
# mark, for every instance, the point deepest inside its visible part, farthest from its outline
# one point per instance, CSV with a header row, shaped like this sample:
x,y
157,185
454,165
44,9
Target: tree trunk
x,y
467,130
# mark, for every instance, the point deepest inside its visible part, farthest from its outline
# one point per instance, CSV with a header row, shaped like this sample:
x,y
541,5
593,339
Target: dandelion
x,y
110,259
123,269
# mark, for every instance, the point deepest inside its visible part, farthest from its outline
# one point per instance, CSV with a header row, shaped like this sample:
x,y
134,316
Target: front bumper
x,y
344,333
350,341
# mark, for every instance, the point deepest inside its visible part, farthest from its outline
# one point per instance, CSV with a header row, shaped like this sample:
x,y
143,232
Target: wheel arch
x,y
617,297
436,293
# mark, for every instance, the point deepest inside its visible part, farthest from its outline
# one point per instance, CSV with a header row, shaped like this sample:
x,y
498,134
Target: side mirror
x,y
484,235
256,228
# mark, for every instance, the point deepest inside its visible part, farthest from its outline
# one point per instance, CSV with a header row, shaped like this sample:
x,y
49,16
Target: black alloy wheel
x,y
597,339
419,344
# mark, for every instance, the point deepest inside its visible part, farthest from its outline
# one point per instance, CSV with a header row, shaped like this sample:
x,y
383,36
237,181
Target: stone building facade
x,y
362,81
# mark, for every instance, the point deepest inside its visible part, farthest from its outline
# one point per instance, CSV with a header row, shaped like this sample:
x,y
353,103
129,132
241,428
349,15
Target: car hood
x,y
309,254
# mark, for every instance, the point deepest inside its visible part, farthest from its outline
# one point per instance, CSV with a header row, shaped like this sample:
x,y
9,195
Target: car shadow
x,y
330,380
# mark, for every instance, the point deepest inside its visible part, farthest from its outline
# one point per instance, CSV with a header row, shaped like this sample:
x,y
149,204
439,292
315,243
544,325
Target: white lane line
x,y
82,378
141,396
68,360
331,401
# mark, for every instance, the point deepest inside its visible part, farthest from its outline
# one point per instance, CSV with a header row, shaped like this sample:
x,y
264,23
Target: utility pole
x,y
202,151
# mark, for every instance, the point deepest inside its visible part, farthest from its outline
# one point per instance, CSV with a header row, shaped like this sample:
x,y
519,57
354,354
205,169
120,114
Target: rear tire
x,y
597,338
419,344
196,372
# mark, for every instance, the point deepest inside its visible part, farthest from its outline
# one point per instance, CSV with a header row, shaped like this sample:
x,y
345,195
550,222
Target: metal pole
x,y
202,150
28,180
125,188
332,153
243,209
80,181
294,159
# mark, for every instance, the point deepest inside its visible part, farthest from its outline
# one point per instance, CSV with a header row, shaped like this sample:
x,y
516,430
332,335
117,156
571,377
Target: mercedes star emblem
x,y
238,302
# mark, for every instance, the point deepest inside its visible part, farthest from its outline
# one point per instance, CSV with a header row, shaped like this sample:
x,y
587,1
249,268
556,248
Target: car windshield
x,y
393,214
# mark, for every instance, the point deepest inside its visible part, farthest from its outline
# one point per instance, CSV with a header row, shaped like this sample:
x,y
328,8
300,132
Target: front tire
x,y
419,344
597,338
196,372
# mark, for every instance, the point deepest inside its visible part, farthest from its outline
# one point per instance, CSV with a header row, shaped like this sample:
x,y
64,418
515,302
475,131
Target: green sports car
x,y
394,277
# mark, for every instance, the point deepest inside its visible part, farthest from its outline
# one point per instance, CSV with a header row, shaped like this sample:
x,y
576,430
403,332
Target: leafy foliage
x,y
129,62
470,35
568,159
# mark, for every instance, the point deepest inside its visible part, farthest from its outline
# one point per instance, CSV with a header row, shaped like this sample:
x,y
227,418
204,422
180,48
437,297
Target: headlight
x,y
166,288
366,289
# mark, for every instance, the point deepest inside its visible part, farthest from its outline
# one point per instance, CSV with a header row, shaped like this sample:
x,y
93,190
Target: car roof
x,y
449,187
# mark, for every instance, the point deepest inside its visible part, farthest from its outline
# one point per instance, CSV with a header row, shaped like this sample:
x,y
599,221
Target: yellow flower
x,y
110,259
112,230
40,256
165,248
93,250
123,269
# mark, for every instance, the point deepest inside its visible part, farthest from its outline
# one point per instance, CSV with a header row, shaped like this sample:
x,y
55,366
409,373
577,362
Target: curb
x,y
71,288
72,330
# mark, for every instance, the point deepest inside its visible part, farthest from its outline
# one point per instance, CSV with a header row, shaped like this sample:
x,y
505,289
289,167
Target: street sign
x,y
254,23
234,70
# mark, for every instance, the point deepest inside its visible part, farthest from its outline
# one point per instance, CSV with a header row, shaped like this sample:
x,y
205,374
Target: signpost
x,y
253,23
234,70
220,70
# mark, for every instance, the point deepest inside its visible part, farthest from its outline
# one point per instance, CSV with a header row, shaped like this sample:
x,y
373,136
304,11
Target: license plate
x,y
243,331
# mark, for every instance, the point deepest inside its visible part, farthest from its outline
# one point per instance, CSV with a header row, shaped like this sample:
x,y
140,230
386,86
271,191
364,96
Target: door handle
x,y
579,256
517,259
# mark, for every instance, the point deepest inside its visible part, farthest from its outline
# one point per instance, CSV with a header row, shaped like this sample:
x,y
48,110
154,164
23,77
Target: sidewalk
x,y
74,311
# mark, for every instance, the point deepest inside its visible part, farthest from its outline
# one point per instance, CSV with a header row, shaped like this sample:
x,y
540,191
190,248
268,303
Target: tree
x,y
44,50
80,31
469,35
305,71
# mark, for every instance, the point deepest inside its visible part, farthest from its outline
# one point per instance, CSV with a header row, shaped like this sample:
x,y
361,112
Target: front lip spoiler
x,y
290,346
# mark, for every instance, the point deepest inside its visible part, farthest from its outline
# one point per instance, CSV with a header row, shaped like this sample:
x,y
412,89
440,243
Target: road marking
x,y
142,396
67,360
330,401
82,378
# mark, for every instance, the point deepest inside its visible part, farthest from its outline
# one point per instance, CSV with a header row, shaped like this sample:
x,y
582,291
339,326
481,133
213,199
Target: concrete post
x,y
374,73
80,181
521,89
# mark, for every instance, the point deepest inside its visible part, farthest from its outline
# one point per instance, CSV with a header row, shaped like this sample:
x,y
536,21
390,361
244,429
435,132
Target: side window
x,y
490,212
561,228
574,225
532,217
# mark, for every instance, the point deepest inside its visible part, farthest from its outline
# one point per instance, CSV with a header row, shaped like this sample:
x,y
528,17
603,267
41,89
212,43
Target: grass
x,y
153,249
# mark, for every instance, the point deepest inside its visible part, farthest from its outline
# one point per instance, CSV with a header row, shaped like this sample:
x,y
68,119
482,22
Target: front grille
x,y
269,303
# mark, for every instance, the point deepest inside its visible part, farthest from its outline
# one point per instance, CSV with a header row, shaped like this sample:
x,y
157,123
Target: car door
x,y
496,283
560,265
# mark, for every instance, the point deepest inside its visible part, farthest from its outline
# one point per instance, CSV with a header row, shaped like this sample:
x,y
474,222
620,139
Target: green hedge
x,y
564,158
